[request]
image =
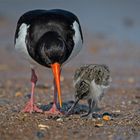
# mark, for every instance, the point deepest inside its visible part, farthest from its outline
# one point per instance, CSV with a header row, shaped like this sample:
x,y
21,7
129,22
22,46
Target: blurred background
x,y
111,31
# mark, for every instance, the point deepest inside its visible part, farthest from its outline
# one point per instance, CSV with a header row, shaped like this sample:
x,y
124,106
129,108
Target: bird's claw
x,y
54,111
87,116
30,108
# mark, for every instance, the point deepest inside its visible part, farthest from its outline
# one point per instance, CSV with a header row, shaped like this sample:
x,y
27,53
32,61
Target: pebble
x,y
123,103
106,113
116,111
59,120
42,126
107,116
53,117
40,134
134,102
99,124
18,94
28,96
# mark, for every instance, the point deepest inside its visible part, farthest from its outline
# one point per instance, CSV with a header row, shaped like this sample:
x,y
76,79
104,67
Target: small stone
x,y
39,104
59,120
107,116
134,102
123,103
43,126
116,111
40,134
106,113
99,124
28,96
18,94
53,117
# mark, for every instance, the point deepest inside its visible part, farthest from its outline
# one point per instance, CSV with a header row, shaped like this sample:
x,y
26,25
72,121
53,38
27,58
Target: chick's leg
x,y
89,110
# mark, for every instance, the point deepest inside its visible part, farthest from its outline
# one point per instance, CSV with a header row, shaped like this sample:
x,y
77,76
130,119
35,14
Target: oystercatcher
x,y
49,38
90,82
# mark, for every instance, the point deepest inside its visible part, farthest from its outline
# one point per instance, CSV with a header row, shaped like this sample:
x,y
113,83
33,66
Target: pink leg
x,y
30,107
54,110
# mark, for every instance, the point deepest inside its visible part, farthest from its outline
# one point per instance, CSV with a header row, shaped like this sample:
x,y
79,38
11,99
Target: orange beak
x,y
56,72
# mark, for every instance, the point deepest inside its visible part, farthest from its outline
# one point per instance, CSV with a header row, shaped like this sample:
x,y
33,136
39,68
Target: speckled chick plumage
x,y
90,82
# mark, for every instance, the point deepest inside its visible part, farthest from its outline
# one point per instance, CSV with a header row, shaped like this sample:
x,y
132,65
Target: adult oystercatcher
x,y
49,38
90,82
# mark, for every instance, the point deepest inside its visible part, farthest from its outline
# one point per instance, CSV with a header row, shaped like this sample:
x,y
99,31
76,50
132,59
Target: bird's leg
x,y
90,109
54,110
72,107
31,107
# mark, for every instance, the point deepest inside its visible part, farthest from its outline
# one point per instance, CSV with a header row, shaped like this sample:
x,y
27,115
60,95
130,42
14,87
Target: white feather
x,y
20,44
78,43
96,91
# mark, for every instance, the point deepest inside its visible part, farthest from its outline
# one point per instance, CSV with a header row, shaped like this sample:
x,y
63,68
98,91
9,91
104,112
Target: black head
x,y
51,48
82,88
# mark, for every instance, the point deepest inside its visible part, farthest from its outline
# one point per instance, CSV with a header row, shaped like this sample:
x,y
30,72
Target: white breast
x,y
97,90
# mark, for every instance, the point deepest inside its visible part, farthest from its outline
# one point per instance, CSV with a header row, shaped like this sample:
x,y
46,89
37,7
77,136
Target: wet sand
x,y
122,100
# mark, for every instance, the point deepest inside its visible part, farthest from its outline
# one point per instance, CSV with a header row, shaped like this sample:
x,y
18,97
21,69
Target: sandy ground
x,y
122,104
122,100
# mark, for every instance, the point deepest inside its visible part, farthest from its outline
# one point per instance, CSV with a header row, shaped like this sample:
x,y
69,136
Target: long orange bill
x,y
56,72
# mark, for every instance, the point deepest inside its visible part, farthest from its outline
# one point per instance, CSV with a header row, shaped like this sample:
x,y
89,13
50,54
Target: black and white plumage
x,y
48,37
90,82
37,30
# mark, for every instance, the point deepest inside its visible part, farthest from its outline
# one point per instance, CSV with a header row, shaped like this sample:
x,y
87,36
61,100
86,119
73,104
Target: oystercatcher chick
x,y
90,82
49,38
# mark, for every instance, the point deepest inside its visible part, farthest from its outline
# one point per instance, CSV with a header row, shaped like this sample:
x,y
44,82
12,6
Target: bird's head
x,y
51,49
52,52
